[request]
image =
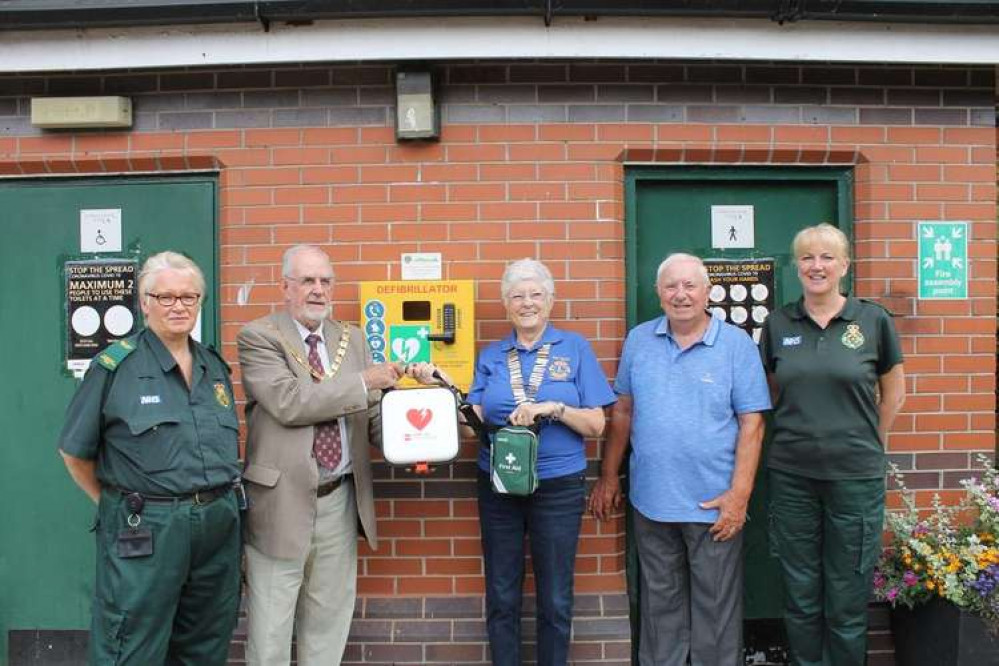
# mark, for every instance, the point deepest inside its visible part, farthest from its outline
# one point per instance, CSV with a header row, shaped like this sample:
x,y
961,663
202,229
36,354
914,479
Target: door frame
x,y
842,176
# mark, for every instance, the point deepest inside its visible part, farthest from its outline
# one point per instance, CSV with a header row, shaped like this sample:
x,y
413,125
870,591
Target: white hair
x,y
683,256
289,256
163,261
527,269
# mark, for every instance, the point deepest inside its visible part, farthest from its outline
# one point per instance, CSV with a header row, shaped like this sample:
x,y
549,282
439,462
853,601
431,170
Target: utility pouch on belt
x,y
513,461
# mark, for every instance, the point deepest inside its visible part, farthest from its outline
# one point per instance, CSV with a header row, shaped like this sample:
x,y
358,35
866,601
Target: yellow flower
x,y
930,585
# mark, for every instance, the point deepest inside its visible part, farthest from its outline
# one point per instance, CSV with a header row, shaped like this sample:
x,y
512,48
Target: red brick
x,y
448,212
397,566
503,133
301,195
595,152
457,566
488,152
448,172
330,175
970,173
360,194
539,152
566,172
426,585
969,136
416,192
282,176
300,156
272,137
166,141
476,192
418,232
572,133
358,155
329,136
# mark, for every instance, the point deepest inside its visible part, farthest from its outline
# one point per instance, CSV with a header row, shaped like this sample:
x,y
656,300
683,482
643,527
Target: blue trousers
x,y
551,519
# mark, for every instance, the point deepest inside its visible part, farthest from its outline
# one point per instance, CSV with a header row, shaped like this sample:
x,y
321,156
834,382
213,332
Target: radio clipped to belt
x,y
513,460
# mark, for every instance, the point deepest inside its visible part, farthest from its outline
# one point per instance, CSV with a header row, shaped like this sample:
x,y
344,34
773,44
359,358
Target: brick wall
x,y
531,163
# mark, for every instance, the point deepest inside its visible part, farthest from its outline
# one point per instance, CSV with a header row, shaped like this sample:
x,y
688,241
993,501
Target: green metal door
x,y
46,550
669,210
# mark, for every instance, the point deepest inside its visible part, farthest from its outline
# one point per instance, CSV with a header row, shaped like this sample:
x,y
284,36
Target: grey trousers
x,y
691,595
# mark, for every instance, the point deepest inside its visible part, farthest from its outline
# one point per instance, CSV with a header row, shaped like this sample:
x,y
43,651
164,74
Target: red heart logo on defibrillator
x,y
419,418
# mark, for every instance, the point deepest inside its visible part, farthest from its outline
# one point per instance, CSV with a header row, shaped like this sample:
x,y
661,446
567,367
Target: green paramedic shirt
x,y
146,430
826,413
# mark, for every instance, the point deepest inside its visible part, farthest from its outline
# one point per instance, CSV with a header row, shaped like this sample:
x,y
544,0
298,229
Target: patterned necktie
x,y
326,444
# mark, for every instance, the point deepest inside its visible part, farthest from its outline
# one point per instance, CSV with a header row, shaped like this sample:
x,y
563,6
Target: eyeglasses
x,y
324,282
519,297
169,300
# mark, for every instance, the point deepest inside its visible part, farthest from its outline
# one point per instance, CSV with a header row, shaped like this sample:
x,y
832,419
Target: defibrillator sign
x,y
422,321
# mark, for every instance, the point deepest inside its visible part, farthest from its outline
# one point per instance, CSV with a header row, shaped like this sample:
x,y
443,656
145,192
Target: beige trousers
x,y
315,595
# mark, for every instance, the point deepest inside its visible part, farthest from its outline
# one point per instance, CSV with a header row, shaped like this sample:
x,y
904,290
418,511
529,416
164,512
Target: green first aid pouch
x,y
513,461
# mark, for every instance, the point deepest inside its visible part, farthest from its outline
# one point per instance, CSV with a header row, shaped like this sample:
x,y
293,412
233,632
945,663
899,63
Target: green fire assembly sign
x,y
943,260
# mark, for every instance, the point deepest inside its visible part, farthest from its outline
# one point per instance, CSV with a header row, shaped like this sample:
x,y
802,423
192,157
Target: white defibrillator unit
x,y
420,427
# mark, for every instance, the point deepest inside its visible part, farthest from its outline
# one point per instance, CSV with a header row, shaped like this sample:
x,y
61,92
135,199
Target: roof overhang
x,y
49,14
438,39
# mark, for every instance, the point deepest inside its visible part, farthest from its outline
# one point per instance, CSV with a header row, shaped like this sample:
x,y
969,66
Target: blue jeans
x,y
551,518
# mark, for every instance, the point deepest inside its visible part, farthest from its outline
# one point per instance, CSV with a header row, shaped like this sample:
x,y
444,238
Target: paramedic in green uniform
x,y
152,437
835,370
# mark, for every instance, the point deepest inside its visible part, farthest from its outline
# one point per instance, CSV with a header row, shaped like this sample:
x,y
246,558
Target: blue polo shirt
x,y
573,376
684,421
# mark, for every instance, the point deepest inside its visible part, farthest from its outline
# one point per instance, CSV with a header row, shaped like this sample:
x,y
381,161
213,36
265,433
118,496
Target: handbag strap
x,y
520,396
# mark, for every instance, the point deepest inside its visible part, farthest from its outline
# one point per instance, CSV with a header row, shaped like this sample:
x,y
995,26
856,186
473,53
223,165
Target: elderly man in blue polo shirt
x,y
691,389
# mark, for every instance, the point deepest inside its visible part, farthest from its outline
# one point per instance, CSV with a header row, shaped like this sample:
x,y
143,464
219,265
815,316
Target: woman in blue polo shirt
x,y
562,385
835,365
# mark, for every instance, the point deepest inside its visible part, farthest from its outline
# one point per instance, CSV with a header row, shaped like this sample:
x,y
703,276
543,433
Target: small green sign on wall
x,y
943,260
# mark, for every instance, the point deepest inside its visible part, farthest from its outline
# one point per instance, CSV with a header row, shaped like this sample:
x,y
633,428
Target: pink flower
x,y
910,578
892,593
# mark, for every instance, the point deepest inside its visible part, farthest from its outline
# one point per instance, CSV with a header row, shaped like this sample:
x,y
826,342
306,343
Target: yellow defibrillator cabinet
x,y
422,321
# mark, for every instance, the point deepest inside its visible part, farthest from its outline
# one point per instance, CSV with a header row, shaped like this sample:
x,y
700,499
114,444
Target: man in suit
x,y
311,396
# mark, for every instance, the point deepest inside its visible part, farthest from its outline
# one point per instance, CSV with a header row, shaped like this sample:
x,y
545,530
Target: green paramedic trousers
x,y
827,537
177,606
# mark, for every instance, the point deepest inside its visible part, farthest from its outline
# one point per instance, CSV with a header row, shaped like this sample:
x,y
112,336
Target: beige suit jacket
x,y
282,405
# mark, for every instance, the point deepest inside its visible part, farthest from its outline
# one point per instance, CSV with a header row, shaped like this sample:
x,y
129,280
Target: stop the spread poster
x,y
101,307
742,292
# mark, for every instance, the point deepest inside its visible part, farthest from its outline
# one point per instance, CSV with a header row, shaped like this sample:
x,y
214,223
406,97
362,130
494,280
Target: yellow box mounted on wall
x,y
81,112
422,321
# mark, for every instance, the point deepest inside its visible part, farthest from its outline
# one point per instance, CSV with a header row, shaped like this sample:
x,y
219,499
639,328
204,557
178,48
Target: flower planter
x,y
938,633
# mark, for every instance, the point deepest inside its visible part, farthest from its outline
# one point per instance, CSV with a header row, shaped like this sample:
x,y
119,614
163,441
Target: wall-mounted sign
x,y
733,227
742,292
943,260
100,230
101,307
421,266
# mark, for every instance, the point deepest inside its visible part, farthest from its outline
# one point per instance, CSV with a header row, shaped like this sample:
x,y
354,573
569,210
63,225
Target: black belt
x,y
325,489
198,496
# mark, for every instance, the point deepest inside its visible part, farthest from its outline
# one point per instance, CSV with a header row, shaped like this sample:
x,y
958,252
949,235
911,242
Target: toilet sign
x,y
943,260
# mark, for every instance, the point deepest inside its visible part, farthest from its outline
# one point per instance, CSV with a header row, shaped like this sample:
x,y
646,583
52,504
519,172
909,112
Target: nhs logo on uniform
x,y
149,400
791,341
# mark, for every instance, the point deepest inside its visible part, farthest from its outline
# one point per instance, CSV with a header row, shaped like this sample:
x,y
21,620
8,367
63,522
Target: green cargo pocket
x,y
112,633
772,540
870,545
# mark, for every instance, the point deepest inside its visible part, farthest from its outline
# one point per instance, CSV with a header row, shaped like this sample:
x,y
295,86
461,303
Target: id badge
x,y
135,543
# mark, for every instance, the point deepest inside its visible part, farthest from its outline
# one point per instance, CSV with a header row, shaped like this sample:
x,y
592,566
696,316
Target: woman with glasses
x,y
537,375
151,436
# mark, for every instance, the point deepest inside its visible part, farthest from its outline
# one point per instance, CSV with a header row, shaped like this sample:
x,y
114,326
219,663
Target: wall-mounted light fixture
x,y
81,112
416,112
